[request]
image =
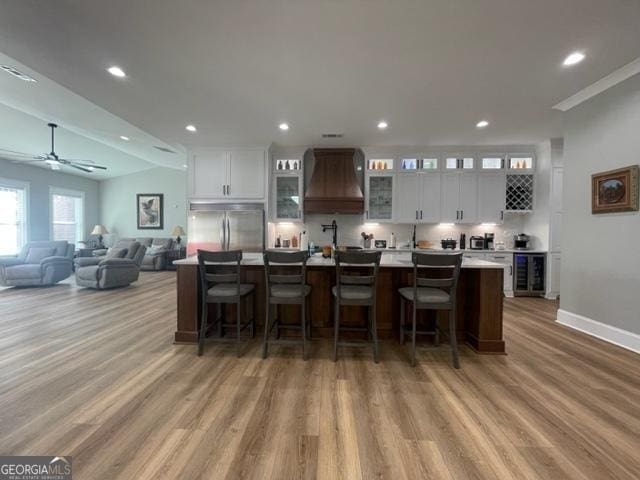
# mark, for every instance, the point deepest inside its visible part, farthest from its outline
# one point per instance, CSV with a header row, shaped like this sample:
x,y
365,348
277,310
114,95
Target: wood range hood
x,y
334,186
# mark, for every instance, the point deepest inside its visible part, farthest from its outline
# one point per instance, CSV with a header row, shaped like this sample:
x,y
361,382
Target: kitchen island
x,y
480,295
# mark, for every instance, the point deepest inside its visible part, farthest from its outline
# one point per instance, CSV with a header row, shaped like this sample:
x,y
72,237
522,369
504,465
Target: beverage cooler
x,y
529,274
217,227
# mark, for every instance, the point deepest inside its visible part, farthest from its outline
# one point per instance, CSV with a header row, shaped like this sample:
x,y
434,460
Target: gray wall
x,y
118,201
601,253
40,179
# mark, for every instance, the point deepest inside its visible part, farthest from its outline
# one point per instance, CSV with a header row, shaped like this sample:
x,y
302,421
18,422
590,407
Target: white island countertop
x,y
389,259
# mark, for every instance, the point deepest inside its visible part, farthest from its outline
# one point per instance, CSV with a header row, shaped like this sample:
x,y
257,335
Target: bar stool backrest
x,y
292,268
352,263
219,267
441,270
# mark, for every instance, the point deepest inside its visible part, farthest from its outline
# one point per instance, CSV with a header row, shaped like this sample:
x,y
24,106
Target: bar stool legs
x,y
336,330
452,338
413,337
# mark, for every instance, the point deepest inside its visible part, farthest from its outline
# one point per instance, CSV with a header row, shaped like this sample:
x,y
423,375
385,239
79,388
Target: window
x,y
13,216
67,215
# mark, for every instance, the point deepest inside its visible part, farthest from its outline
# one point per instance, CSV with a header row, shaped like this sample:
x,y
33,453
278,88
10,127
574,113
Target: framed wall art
x,y
615,190
150,211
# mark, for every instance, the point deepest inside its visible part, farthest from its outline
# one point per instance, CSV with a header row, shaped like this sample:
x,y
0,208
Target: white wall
x,y
40,179
536,223
118,201
601,253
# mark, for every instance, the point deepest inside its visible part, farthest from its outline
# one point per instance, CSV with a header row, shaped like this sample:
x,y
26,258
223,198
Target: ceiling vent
x,y
17,73
164,149
332,135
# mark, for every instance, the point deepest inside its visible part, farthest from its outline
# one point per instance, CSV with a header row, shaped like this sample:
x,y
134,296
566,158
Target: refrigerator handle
x,y
228,234
223,236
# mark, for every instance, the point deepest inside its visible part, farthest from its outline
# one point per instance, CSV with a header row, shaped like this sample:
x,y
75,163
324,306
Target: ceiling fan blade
x,y
79,160
88,165
79,168
14,153
19,160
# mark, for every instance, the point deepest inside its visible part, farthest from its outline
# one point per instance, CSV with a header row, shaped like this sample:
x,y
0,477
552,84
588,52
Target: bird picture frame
x,y
150,211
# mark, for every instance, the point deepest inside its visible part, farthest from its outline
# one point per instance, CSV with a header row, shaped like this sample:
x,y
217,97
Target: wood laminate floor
x,y
95,375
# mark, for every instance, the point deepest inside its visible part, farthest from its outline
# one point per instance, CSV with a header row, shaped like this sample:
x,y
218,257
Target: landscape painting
x,y
150,210
615,191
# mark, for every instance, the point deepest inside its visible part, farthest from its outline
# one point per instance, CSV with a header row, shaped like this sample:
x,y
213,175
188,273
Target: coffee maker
x,y
489,241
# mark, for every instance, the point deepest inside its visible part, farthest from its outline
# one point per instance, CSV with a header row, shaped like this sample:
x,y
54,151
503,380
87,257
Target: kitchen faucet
x,y
334,227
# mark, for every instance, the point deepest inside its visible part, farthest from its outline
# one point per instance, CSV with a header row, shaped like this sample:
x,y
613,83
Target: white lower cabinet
x,y
505,258
554,275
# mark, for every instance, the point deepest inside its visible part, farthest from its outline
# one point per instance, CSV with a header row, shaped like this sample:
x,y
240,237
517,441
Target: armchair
x,y
102,273
37,264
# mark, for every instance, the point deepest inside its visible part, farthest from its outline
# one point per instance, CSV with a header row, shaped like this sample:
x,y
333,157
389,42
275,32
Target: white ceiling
x,y
236,69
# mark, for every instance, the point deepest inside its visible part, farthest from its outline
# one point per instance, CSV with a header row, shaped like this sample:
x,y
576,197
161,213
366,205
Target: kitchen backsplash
x,y
350,227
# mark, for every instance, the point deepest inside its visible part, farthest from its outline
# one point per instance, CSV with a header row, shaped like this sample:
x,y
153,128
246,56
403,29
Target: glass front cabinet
x,y
287,192
379,197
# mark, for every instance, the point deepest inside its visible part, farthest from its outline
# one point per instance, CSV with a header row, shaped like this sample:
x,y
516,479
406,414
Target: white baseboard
x,y
615,335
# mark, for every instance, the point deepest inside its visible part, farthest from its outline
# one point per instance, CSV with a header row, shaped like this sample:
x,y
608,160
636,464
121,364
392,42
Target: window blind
x,y
13,220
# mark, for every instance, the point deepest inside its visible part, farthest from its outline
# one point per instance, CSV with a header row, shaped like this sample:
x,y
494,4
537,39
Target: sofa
x,y
38,264
119,267
156,254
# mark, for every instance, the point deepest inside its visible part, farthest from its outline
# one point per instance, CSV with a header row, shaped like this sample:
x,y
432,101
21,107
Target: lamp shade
x,y
99,230
177,231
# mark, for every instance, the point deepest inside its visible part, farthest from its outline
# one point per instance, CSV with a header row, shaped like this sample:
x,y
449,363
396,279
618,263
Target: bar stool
x,y
434,291
219,274
286,286
356,289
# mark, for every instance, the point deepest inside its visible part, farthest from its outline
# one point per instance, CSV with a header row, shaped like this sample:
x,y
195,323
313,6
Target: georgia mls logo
x,y
35,468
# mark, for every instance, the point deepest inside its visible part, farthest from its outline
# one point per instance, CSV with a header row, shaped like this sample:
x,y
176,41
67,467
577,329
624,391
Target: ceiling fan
x,y
52,158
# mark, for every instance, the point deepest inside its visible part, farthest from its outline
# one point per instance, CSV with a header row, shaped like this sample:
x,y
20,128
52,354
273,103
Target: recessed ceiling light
x,y
116,71
482,124
191,128
382,125
184,166
284,127
573,59
126,139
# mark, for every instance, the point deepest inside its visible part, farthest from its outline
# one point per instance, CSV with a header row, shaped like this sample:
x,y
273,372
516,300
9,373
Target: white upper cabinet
x,y
491,197
459,163
208,175
418,198
459,198
468,198
379,197
227,174
520,163
491,163
450,210
246,174
407,204
430,198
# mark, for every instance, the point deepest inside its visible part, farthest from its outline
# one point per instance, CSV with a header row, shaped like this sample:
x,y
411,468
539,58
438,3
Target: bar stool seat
x,y
286,284
353,292
439,271
426,295
230,290
290,291
219,274
354,287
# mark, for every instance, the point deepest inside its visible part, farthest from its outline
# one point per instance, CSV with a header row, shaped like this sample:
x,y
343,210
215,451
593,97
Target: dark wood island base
x,y
480,297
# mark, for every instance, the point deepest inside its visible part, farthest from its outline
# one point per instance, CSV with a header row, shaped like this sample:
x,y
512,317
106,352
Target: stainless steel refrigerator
x,y
217,226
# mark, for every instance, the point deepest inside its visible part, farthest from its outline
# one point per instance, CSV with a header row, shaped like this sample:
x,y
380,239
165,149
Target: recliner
x,y
103,273
38,264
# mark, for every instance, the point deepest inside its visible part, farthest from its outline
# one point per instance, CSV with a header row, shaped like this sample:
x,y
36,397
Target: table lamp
x,y
99,230
177,231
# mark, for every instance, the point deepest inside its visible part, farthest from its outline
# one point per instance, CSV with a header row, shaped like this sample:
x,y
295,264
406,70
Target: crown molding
x,y
620,75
